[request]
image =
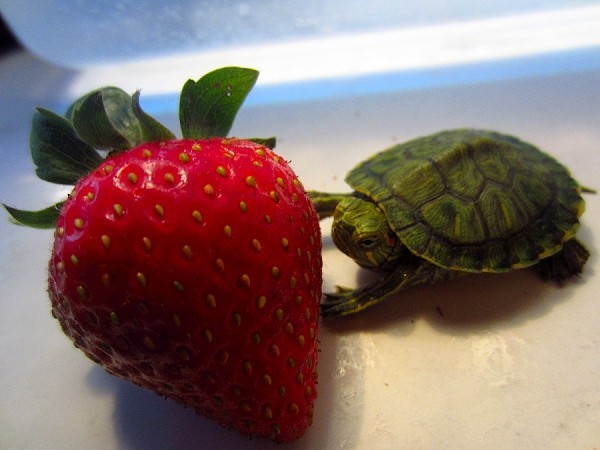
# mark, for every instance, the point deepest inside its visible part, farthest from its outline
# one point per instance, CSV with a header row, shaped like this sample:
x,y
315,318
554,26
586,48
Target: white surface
x,y
482,362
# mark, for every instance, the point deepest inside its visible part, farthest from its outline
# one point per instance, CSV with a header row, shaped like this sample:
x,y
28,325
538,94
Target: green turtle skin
x,y
455,202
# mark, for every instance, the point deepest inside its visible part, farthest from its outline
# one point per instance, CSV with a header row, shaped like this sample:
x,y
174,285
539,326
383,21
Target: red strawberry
x,y
193,267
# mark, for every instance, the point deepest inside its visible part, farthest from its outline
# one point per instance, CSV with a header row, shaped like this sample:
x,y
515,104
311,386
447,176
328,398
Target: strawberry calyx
x,y
108,120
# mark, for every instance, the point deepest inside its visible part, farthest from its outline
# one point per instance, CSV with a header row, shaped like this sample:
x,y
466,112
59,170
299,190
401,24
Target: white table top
x,y
501,361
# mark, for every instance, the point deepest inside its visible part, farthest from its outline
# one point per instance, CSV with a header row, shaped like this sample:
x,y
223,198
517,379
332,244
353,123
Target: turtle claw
x,y
339,303
342,290
346,301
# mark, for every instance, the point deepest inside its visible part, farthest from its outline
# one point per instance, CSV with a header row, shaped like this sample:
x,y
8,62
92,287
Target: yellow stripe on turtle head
x,y
371,258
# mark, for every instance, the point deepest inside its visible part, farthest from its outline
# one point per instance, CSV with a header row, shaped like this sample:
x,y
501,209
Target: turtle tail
x,y
567,262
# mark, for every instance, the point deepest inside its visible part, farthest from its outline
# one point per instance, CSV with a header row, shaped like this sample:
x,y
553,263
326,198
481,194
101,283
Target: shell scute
x,y
492,164
462,176
453,220
509,216
418,186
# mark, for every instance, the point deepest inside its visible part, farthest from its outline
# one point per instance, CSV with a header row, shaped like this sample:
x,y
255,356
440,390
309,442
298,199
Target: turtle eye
x,y
368,243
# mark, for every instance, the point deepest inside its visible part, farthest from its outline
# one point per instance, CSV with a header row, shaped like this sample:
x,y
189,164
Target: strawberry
x,y
191,266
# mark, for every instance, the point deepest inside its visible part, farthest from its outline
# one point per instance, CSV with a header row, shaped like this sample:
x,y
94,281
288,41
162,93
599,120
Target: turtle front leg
x,y
349,301
326,202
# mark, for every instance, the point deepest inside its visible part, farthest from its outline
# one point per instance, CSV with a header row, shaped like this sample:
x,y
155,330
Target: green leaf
x,y
267,142
59,155
151,129
208,107
44,218
104,119
75,104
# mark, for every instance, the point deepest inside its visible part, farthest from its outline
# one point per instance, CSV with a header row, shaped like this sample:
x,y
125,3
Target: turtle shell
x,y
473,200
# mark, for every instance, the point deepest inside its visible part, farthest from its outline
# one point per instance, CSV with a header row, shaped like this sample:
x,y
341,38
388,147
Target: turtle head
x,y
361,230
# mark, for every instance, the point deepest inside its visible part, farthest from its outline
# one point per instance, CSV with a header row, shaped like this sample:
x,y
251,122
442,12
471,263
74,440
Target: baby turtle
x,y
455,202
